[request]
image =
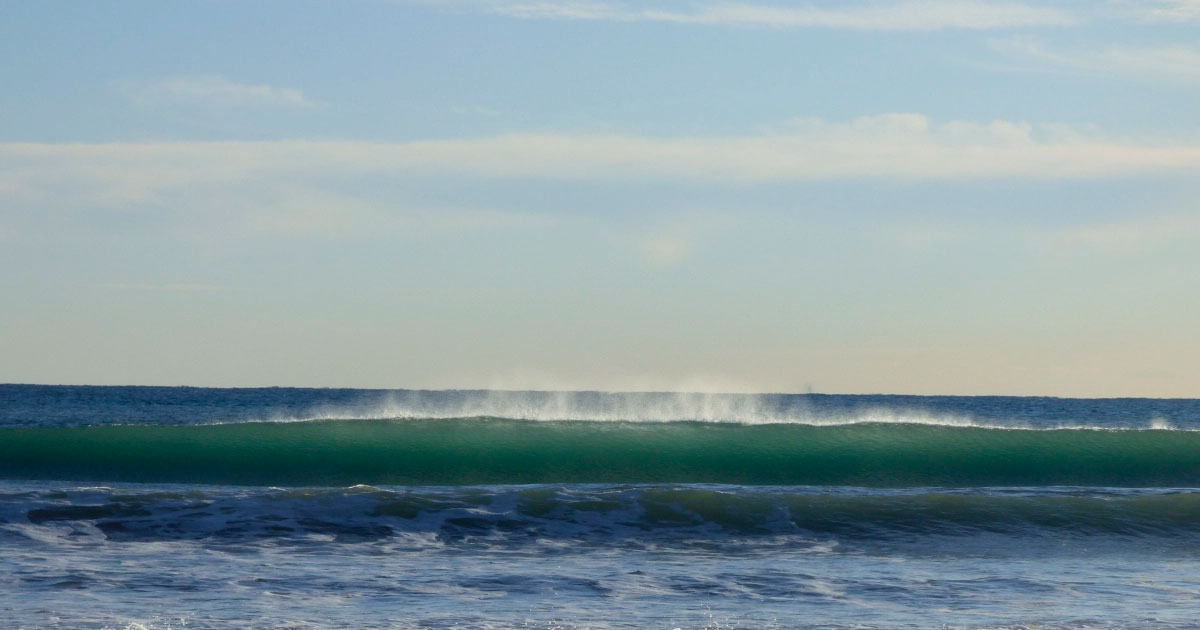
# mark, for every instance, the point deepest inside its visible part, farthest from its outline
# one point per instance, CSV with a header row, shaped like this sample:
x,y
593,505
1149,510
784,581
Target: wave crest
x,y
747,409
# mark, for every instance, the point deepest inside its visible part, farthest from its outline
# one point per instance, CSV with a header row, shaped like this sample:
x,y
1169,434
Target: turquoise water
x,y
282,508
478,451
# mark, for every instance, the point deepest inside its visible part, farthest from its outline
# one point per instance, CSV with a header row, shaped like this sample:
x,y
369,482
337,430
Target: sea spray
x,y
747,409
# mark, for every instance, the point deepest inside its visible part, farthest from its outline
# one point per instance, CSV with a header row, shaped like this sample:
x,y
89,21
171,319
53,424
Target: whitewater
x,y
150,507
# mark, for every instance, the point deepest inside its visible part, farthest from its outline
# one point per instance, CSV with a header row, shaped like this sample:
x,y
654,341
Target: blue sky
x,y
907,196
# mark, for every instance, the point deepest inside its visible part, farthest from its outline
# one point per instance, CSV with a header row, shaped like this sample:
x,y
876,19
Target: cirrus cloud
x,y
1178,63
214,90
905,15
890,146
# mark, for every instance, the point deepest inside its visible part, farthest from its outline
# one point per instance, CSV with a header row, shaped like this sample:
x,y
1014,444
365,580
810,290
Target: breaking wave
x,y
474,451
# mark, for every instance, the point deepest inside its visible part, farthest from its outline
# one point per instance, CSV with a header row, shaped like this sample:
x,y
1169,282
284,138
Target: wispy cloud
x,y
662,250
897,146
1179,62
300,209
215,90
1177,11
916,15
670,237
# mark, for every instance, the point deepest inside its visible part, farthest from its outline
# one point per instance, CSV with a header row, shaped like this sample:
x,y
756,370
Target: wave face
x,y
473,451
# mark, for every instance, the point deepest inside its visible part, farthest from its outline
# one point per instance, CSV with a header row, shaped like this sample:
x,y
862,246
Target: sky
x,y
884,196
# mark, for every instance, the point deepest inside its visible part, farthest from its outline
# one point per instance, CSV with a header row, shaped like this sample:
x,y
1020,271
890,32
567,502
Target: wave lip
x,y
480,451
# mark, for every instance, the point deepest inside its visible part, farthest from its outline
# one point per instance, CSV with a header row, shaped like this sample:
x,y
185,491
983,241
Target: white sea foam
x,y
1162,424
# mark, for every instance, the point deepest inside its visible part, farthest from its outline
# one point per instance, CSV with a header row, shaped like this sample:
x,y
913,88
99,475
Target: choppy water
x,y
301,508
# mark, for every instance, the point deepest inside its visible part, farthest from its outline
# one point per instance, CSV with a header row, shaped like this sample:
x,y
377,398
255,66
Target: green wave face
x,y
499,451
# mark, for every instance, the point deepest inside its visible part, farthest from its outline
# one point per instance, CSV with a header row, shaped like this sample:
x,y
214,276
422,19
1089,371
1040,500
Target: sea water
x,y
146,507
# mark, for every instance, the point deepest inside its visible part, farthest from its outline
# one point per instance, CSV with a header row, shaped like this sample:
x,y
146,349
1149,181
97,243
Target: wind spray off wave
x,y
748,409
60,406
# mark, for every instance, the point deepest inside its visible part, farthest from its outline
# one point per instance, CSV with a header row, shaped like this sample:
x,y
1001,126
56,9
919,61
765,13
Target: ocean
x,y
148,508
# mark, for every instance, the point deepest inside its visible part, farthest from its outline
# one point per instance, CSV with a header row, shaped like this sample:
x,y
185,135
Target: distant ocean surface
x,y
147,508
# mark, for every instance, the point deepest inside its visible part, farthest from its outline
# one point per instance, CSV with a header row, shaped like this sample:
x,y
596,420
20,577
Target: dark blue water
x,y
147,507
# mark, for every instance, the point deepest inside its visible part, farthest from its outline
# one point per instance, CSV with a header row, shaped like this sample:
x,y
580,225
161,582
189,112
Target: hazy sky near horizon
x,y
891,196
